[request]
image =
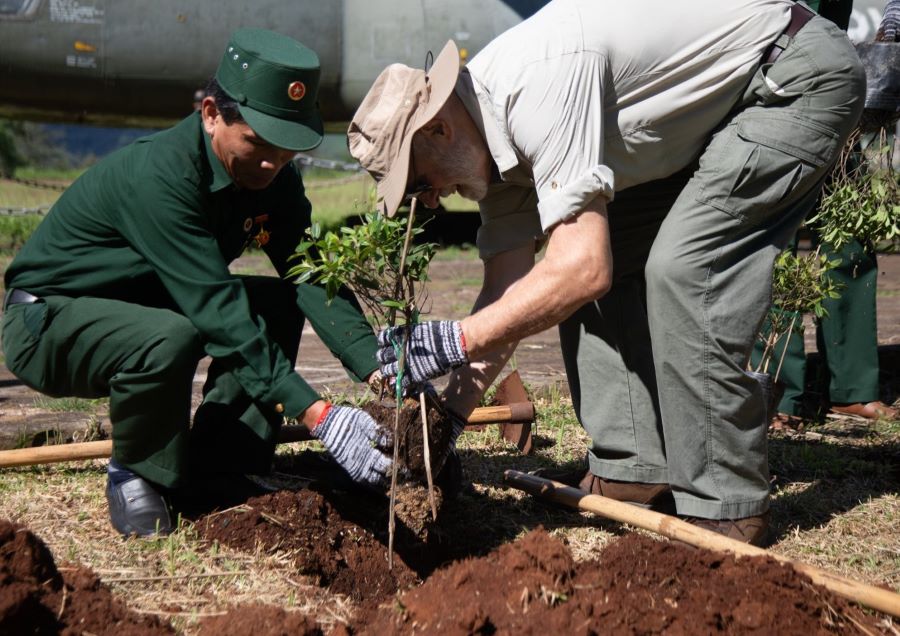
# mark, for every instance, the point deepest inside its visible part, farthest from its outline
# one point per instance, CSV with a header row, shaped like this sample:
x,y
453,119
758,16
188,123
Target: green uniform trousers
x,y
847,338
144,358
656,367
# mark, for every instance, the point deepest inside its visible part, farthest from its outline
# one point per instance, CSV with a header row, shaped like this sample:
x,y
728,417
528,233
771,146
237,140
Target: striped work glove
x,y
890,23
434,348
353,438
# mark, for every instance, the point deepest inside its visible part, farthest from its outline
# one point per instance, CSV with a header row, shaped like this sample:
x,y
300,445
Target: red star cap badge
x,y
296,91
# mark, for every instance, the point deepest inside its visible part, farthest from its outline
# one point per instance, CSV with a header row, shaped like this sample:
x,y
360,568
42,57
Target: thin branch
x,y
427,452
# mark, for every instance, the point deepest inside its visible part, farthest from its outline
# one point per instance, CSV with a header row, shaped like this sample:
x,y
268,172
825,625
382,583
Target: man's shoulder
x,y
171,153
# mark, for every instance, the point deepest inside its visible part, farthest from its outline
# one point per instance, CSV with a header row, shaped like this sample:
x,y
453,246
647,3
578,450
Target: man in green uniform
x,y
847,337
125,286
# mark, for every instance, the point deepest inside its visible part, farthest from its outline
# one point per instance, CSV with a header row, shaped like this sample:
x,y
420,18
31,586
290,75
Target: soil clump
x,y
36,598
411,452
337,553
639,585
261,620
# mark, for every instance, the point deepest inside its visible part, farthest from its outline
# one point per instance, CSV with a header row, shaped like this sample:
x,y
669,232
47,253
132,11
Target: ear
x,y
209,112
438,127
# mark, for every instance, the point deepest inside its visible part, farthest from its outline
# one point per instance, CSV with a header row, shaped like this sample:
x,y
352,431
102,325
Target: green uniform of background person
x,y
130,269
847,337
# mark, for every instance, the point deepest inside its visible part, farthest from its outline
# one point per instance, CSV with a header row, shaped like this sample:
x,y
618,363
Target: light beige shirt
x,y
588,97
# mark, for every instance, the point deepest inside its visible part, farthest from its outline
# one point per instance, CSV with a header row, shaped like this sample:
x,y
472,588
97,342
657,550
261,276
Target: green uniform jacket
x,y
157,223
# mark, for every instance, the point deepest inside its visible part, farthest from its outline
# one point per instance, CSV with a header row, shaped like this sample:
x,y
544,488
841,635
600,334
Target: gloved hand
x,y
434,348
353,438
890,23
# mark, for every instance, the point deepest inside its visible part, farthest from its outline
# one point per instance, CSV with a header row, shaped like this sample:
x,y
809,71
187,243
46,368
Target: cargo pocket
x,y
760,164
34,318
22,329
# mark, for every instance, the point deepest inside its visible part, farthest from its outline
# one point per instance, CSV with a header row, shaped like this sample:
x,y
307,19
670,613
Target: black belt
x,y
18,297
800,15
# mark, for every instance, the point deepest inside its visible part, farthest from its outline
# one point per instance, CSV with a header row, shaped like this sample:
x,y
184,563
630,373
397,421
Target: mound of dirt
x,y
260,620
639,586
411,451
35,598
337,553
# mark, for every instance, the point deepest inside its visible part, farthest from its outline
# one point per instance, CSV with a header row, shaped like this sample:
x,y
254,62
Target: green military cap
x,y
275,81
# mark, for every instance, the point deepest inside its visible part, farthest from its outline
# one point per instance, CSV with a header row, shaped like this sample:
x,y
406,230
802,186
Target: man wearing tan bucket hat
x,y
125,287
664,155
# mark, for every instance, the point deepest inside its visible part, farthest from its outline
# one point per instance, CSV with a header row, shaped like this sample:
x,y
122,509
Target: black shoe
x,y
137,508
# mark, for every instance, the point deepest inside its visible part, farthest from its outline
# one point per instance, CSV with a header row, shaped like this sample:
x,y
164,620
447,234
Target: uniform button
x,y
279,408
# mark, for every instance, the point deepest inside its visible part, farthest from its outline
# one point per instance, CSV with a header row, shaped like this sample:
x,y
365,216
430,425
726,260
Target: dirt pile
x,y
638,586
337,553
411,451
261,620
36,598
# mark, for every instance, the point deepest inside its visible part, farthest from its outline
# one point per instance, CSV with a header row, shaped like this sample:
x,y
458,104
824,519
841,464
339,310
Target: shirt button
x,y
279,408
554,185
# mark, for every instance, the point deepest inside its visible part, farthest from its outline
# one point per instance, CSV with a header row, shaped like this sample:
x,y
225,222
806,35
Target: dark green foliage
x,y
366,259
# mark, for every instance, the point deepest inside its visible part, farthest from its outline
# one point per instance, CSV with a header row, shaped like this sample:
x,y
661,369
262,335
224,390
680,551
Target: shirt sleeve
x,y
166,226
509,219
557,123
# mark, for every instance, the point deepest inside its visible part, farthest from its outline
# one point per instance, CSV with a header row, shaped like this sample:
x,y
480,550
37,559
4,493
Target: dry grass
x,y
835,505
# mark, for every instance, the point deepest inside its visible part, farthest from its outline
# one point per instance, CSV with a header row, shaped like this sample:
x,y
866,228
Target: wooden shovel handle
x,y
519,412
674,528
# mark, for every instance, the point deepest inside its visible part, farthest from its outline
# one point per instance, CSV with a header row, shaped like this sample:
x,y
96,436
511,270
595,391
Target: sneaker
x,y
136,507
753,530
656,497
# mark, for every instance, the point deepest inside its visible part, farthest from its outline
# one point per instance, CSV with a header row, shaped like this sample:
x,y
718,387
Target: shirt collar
x,y
220,177
477,101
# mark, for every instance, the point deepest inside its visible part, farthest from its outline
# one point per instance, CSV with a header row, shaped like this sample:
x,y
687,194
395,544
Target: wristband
x,y
321,417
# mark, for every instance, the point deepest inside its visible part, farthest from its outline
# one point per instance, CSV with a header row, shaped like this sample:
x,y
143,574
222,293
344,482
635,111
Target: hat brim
x,y
442,78
283,133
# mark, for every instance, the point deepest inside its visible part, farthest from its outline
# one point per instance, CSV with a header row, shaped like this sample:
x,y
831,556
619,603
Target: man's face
x,y
251,162
463,167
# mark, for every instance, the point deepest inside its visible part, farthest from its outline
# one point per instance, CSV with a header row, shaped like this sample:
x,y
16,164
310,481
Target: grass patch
x,y
70,404
63,175
15,230
333,200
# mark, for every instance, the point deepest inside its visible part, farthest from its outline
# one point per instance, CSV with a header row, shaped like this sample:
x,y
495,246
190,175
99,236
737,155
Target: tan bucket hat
x,y
400,102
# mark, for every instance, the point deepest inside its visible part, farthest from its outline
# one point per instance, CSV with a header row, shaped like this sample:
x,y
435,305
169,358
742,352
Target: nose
x,y
276,159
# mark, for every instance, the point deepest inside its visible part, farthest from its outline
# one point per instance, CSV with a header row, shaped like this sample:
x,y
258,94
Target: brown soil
x,y
335,552
36,598
260,620
639,586
411,451
532,586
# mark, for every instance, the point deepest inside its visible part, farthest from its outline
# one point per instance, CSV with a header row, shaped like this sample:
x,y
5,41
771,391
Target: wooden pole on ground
x,y
875,597
520,412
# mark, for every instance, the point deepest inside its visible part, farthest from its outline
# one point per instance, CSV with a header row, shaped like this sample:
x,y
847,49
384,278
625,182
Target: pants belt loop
x,y
800,15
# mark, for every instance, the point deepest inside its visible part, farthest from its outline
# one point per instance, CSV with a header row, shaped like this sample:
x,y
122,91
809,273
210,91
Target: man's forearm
x,y
576,269
468,384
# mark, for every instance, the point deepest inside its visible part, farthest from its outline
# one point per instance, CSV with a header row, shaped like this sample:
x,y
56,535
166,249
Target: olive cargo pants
x,y
657,376
144,358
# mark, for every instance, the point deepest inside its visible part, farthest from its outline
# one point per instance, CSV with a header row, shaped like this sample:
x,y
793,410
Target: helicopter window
x,y
18,8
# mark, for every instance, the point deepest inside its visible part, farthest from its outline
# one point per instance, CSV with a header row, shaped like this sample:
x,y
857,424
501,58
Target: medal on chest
x,y
262,235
